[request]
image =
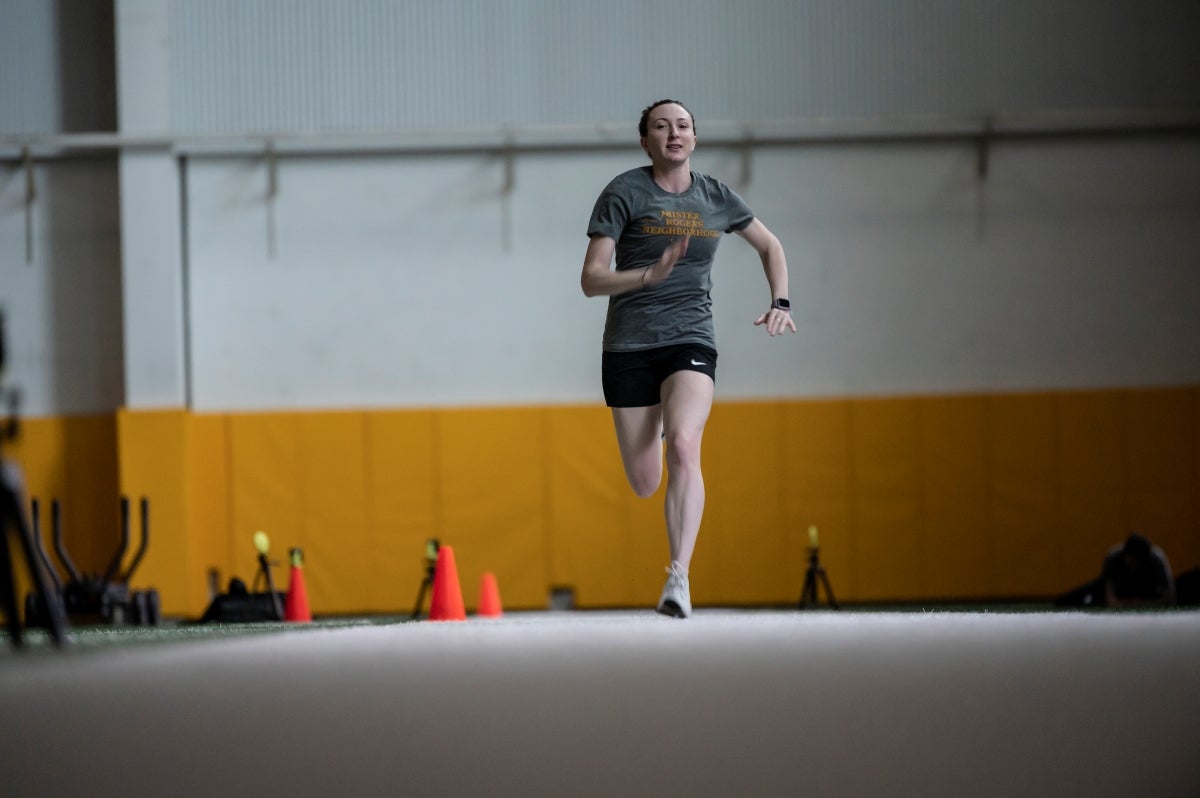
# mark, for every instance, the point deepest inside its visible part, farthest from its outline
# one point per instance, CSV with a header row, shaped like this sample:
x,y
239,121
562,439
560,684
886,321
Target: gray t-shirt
x,y
643,219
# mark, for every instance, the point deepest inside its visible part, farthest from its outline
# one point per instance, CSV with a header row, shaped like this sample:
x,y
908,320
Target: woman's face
x,y
670,137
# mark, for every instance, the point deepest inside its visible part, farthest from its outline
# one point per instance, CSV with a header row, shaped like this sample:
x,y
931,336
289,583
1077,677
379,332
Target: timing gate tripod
x,y
816,573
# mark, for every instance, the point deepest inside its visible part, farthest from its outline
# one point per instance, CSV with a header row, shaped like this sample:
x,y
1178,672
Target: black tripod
x,y
264,574
13,521
431,557
815,573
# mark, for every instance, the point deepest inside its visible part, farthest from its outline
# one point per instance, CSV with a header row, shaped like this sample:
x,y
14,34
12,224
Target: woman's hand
x,y
653,275
777,321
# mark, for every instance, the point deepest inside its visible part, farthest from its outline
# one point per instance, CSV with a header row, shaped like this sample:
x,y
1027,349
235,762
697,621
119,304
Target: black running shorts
x,y
634,379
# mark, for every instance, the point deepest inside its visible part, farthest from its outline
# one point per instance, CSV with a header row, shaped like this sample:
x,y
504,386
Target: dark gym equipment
x,y
12,521
96,598
239,605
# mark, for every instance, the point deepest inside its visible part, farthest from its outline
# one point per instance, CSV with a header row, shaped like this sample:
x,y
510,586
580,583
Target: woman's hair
x,y
644,122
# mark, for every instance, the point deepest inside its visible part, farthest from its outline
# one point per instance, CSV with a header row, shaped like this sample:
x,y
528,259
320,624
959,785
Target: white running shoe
x,y
676,598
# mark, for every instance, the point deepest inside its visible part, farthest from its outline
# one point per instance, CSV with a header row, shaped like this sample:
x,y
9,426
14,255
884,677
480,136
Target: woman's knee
x,y
644,478
683,448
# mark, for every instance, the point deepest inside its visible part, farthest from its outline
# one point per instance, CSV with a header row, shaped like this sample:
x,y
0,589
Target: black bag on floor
x,y
241,606
1187,588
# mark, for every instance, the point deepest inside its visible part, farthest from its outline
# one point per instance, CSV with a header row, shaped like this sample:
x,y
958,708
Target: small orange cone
x,y
295,607
446,602
489,597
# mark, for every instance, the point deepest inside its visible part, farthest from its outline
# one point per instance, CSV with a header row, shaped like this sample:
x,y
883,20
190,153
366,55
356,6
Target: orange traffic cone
x,y
489,597
446,602
295,607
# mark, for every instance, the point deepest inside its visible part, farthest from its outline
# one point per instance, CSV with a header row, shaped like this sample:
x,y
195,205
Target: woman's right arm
x,y
600,279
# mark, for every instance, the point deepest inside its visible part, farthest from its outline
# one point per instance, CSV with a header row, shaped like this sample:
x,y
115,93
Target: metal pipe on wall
x,y
606,136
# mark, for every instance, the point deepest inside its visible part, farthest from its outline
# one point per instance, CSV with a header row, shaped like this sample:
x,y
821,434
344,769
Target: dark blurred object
x,y
239,605
1138,574
432,547
95,598
1135,573
12,399
13,521
1187,588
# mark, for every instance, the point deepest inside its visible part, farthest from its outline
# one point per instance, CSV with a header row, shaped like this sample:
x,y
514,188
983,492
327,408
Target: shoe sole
x,y
670,609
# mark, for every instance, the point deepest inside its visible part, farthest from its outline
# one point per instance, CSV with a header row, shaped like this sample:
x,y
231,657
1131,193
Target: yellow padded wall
x,y
40,454
1091,482
491,471
1188,555
915,498
76,464
1023,463
72,459
593,544
1159,469
210,543
90,511
332,525
955,546
264,475
361,492
301,478
886,508
815,464
153,460
741,556
402,505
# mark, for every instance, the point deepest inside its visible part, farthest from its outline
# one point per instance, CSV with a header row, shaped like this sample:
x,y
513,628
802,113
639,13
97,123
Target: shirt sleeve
x,y
740,214
609,215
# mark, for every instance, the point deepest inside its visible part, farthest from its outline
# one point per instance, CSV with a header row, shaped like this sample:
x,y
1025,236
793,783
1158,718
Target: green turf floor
x,y
92,637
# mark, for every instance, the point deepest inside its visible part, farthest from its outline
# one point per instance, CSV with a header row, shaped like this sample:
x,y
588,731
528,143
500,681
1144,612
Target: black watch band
x,y
782,304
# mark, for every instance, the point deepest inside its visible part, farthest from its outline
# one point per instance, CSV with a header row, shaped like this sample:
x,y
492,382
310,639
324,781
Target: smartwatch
x,y
782,304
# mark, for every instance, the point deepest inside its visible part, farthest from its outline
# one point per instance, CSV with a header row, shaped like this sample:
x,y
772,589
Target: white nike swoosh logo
x,y
698,362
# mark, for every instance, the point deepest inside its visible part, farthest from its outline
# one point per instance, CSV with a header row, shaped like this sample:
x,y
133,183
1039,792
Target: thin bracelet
x,y
645,271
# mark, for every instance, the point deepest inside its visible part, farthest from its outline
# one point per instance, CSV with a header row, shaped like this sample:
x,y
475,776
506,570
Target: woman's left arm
x,y
774,264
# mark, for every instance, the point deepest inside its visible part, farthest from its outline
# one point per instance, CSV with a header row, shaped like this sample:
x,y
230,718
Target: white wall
x,y
271,65
415,281
56,66
28,68
60,286
60,262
